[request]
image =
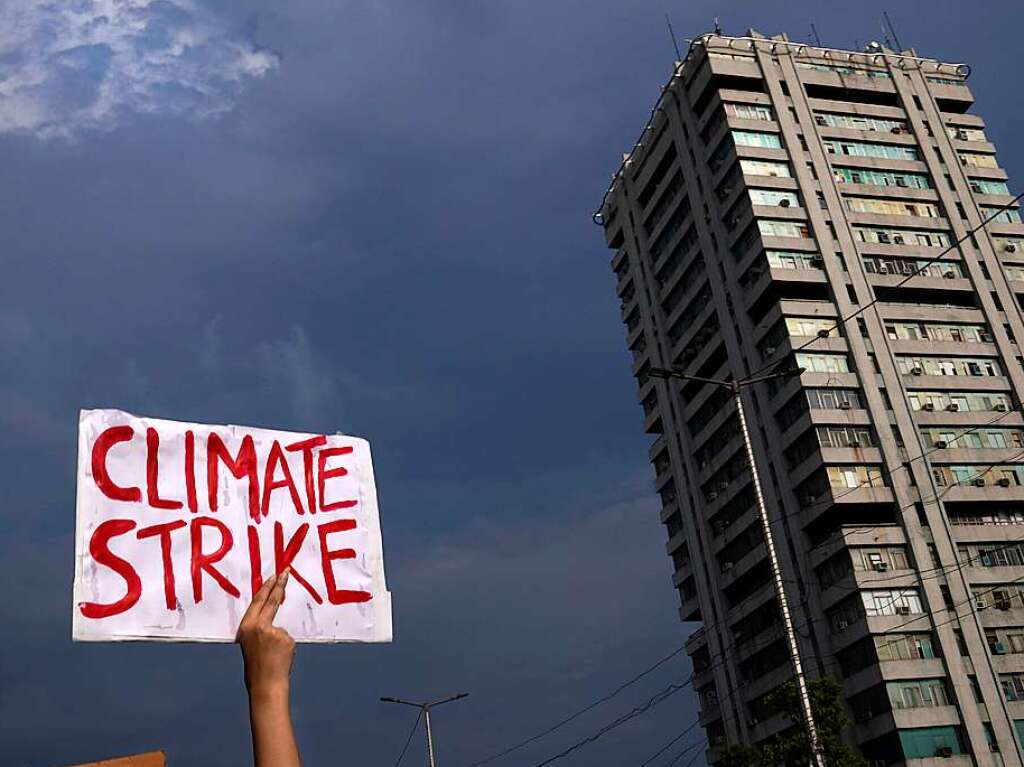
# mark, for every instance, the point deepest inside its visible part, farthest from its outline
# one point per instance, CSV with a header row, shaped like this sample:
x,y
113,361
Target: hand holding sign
x,y
268,650
176,522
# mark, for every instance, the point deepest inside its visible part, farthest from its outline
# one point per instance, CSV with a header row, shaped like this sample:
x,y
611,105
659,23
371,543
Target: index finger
x,y
274,599
259,599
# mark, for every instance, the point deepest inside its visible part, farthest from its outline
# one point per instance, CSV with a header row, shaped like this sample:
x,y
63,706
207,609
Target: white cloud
x,y
73,65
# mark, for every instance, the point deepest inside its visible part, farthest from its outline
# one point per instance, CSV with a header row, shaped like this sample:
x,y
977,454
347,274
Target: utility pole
x,y
425,710
736,387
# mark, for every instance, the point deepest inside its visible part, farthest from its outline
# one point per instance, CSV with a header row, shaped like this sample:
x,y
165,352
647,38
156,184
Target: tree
x,y
791,748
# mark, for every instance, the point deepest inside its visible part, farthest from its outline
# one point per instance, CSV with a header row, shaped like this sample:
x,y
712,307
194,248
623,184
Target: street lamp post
x,y
817,757
425,709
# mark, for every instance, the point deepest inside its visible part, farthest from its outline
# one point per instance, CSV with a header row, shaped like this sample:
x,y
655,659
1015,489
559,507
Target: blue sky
x,y
371,217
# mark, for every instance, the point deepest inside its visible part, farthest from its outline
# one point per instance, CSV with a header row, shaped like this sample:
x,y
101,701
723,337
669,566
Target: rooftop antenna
x,y
817,40
718,27
885,36
672,34
892,30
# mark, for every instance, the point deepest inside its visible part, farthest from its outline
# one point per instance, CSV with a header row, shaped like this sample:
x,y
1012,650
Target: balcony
x,y
814,506
893,670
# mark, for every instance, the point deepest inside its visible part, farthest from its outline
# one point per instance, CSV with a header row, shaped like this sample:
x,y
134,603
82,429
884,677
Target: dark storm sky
x,y
368,216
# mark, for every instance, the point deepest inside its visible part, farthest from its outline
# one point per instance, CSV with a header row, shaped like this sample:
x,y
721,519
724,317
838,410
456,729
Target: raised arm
x,y
268,652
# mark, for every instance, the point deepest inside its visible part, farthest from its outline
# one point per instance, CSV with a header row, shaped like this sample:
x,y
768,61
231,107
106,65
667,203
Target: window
x,y
765,168
1013,686
901,236
965,134
980,475
904,647
873,177
988,186
892,207
774,197
978,160
928,742
791,259
807,326
770,228
965,401
891,602
846,436
756,139
855,476
953,366
844,70
865,149
1007,216
749,111
918,693
834,399
823,363
856,122
935,331
912,266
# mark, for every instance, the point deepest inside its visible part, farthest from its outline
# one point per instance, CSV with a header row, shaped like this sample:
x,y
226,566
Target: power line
x,y
408,740
671,743
653,701
582,711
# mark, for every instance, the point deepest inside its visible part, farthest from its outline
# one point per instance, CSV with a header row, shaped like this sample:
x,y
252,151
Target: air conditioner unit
x,y
980,604
998,648
823,333
928,406
946,752
723,485
896,129
845,406
1000,406
842,624
809,499
986,338
950,275
902,610
978,482
952,407
711,496
916,371
769,351
1003,482
940,444
898,239
900,181
1010,248
880,567
883,269
784,203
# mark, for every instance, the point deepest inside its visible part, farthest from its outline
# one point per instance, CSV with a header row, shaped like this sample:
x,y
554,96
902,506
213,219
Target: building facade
x,y
796,206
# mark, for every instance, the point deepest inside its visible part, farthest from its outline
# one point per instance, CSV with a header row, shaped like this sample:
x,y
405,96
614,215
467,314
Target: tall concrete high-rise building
x,y
791,206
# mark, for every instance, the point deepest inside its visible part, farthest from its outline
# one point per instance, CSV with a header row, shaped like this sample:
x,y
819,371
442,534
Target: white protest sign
x,y
178,524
